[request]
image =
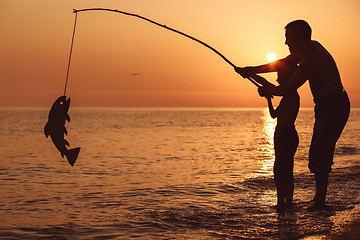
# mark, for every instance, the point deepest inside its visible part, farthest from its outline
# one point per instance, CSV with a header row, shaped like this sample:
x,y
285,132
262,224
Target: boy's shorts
x,y
286,141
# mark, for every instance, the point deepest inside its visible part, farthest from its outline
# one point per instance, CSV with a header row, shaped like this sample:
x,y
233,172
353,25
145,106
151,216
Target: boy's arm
x,y
272,111
296,80
287,102
281,108
261,80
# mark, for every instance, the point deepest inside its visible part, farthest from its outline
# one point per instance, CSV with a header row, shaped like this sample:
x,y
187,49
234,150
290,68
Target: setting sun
x,y
110,48
271,57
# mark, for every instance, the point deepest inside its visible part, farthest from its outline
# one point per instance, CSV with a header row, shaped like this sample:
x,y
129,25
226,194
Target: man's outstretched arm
x,y
269,67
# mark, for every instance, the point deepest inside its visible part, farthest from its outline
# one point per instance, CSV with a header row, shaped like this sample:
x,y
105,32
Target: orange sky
x,y
173,71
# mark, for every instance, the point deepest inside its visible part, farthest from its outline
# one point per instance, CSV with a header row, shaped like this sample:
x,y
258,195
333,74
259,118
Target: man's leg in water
x,y
330,120
321,180
320,165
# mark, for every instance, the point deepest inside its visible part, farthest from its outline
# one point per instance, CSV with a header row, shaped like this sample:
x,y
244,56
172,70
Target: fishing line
x,y
71,48
158,24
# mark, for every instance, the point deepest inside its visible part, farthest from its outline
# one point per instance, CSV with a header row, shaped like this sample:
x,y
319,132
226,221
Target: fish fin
x,y
65,131
47,129
67,117
72,155
67,143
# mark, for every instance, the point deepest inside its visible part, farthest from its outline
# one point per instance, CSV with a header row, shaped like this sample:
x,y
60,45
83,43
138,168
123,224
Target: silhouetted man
x,y
332,106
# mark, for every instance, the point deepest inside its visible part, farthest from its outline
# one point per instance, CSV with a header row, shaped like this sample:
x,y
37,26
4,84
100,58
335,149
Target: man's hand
x,y
266,91
245,72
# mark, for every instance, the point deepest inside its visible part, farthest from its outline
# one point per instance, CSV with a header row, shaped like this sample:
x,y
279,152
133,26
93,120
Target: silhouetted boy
x,y
286,138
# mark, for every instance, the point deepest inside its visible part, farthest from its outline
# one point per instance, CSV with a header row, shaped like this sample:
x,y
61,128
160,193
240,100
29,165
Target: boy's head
x,y
285,71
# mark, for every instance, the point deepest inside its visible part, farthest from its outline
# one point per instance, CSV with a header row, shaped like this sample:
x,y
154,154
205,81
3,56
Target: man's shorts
x,y
331,115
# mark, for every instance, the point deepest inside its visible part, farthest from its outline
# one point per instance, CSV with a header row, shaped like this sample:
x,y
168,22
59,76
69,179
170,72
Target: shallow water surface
x,y
163,174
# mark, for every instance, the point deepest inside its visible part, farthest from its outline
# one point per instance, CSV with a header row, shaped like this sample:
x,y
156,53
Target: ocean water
x,y
163,174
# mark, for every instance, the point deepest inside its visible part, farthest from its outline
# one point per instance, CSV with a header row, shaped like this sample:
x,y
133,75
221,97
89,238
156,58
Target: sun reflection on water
x,y
267,145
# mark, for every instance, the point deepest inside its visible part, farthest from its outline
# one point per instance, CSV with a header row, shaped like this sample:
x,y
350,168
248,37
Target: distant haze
x,y
122,61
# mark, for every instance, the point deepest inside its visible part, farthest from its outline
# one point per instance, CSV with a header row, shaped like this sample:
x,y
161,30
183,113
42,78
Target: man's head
x,y
298,36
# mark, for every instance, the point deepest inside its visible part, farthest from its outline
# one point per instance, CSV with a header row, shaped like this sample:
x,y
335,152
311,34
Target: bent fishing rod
x,y
160,25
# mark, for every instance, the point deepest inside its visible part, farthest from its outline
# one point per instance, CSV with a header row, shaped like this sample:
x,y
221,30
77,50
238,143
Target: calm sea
x,y
163,174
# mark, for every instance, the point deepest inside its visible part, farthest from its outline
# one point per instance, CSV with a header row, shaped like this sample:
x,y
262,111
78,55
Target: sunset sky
x,y
122,61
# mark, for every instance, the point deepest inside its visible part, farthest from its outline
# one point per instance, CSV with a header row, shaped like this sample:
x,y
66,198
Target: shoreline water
x,y
190,174
346,226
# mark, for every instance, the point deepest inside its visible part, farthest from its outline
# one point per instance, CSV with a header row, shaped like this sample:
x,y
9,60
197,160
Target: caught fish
x,y
55,128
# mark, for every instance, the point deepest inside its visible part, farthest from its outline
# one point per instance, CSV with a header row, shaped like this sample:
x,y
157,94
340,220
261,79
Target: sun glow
x,y
268,147
271,57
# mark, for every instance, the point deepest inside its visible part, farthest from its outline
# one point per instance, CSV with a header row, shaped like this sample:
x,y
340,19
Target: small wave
x,y
346,151
246,209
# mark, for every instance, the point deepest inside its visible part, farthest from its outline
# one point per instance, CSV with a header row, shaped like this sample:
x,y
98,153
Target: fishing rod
x,y
160,25
58,115
71,48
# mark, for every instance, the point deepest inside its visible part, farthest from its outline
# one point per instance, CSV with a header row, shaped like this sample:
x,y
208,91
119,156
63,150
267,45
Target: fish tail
x,y
72,155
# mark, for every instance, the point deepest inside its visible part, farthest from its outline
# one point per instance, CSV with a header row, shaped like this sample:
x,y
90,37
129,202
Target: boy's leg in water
x,y
286,142
289,194
281,195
